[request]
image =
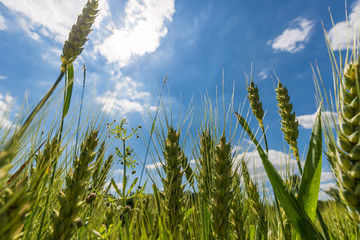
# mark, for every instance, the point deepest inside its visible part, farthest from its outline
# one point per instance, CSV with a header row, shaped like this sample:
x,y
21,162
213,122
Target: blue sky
x,y
136,43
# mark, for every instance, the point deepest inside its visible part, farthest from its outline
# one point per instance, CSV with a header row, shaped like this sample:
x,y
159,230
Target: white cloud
x,y
144,27
118,171
6,102
307,121
2,23
281,161
112,189
153,166
51,56
293,38
342,33
327,176
263,74
49,18
2,77
327,186
125,97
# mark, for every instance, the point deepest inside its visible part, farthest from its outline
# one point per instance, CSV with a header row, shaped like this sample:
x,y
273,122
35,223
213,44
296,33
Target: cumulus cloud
x,y
327,176
144,27
282,163
263,74
307,121
125,97
327,186
342,34
2,23
280,160
112,189
6,103
154,166
2,77
49,18
293,39
118,172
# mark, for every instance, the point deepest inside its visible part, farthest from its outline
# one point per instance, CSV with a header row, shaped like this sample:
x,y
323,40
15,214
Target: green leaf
x,y
157,199
69,82
298,217
113,183
310,180
132,186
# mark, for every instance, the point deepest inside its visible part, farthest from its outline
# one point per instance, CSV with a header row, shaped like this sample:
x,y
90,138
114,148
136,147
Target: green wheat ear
x,y
290,125
78,34
71,198
256,107
222,195
173,189
346,155
255,103
239,210
254,199
206,165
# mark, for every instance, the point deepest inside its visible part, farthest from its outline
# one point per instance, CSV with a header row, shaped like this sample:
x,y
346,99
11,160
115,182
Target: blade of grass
x,y
310,180
294,211
81,104
132,186
68,90
113,183
152,129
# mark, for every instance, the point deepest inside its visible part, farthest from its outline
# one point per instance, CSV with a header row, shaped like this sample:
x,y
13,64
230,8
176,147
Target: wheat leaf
x,y
310,180
298,217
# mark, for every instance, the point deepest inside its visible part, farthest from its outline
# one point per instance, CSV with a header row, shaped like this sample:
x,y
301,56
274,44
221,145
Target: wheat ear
x,y
74,45
256,107
222,189
345,155
238,211
254,199
290,125
205,166
71,198
173,188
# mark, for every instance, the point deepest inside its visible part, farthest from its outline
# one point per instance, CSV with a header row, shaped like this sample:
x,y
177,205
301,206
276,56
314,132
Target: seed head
x,y
74,45
90,198
290,125
256,105
344,155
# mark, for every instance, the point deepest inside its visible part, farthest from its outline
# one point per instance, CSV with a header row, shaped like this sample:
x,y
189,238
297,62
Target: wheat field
x,y
58,182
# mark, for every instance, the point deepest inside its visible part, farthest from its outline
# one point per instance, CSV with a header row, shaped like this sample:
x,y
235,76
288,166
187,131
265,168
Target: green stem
x,y
54,171
266,144
299,165
124,177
